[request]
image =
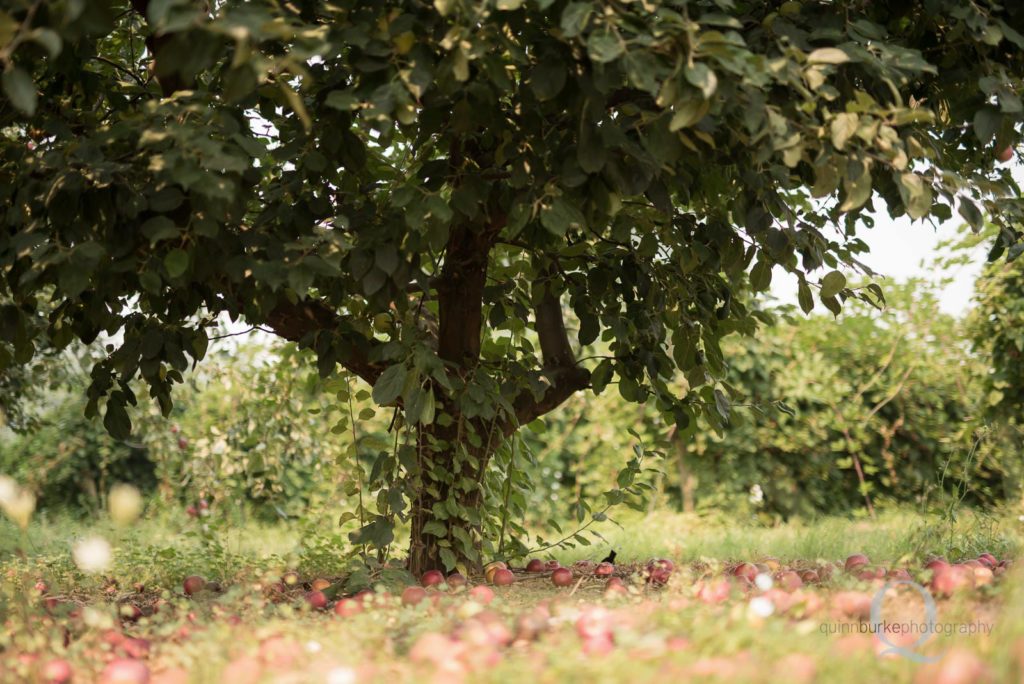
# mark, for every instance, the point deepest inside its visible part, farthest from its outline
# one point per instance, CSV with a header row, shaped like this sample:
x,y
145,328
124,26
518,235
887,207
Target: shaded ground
x,y
761,615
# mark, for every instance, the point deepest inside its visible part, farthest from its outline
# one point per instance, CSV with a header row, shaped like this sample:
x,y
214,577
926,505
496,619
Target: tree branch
x,y
294,322
560,366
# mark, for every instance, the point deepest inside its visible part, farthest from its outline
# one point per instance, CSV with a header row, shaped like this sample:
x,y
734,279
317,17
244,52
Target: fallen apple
x,y
317,600
482,594
193,584
348,607
290,578
413,596
562,577
745,571
604,570
456,580
431,578
125,671
503,577
856,561
57,671
789,580
319,584
535,565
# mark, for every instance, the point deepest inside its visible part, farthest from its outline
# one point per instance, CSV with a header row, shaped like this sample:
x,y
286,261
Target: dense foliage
x,y
412,189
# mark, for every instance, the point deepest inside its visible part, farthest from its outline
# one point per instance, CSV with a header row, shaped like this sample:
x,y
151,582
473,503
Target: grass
x,y
665,634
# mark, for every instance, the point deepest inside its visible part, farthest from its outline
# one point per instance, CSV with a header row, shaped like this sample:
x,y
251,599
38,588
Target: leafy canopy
x,y
410,188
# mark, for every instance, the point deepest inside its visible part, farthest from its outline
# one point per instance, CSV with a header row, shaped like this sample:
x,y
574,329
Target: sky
x,y
902,249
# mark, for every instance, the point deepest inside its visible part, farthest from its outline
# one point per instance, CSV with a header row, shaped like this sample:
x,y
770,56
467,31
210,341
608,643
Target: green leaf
x,y
858,191
574,18
448,558
176,262
548,78
804,297
428,408
969,211
703,78
828,56
761,276
986,124
20,90
436,528
390,384
116,420
561,215
604,46
916,194
687,112
842,128
831,284
590,151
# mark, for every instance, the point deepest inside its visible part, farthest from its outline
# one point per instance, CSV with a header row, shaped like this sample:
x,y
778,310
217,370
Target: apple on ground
x,y
535,565
57,671
482,594
125,671
316,600
552,565
432,578
413,596
856,561
348,607
319,584
604,570
503,577
456,580
562,577
290,578
193,584
745,571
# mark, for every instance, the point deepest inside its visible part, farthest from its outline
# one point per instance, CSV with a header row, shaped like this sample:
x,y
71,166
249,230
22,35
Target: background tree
x,y
415,191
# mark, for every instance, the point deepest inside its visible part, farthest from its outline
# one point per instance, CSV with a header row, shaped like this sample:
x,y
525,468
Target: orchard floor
x,y
704,623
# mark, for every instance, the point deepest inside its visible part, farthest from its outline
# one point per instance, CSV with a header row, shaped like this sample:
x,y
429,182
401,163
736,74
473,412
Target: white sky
x,y
902,249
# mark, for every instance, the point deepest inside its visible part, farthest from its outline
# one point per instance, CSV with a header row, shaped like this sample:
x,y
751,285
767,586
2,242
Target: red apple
x,y
316,600
604,570
535,565
182,443
552,565
983,576
562,577
615,587
855,561
482,594
789,580
191,511
347,607
456,580
899,574
431,578
503,577
989,560
1004,155
936,565
413,595
193,584
745,571
57,671
125,671
809,576
952,579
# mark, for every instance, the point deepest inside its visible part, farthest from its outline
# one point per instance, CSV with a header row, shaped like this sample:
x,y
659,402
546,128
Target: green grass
x,y
195,636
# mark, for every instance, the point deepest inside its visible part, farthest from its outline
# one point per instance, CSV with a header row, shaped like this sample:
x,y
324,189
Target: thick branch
x,y
294,321
560,367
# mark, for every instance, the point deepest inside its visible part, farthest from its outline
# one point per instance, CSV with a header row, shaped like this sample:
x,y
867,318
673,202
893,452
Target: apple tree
x,y
478,207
